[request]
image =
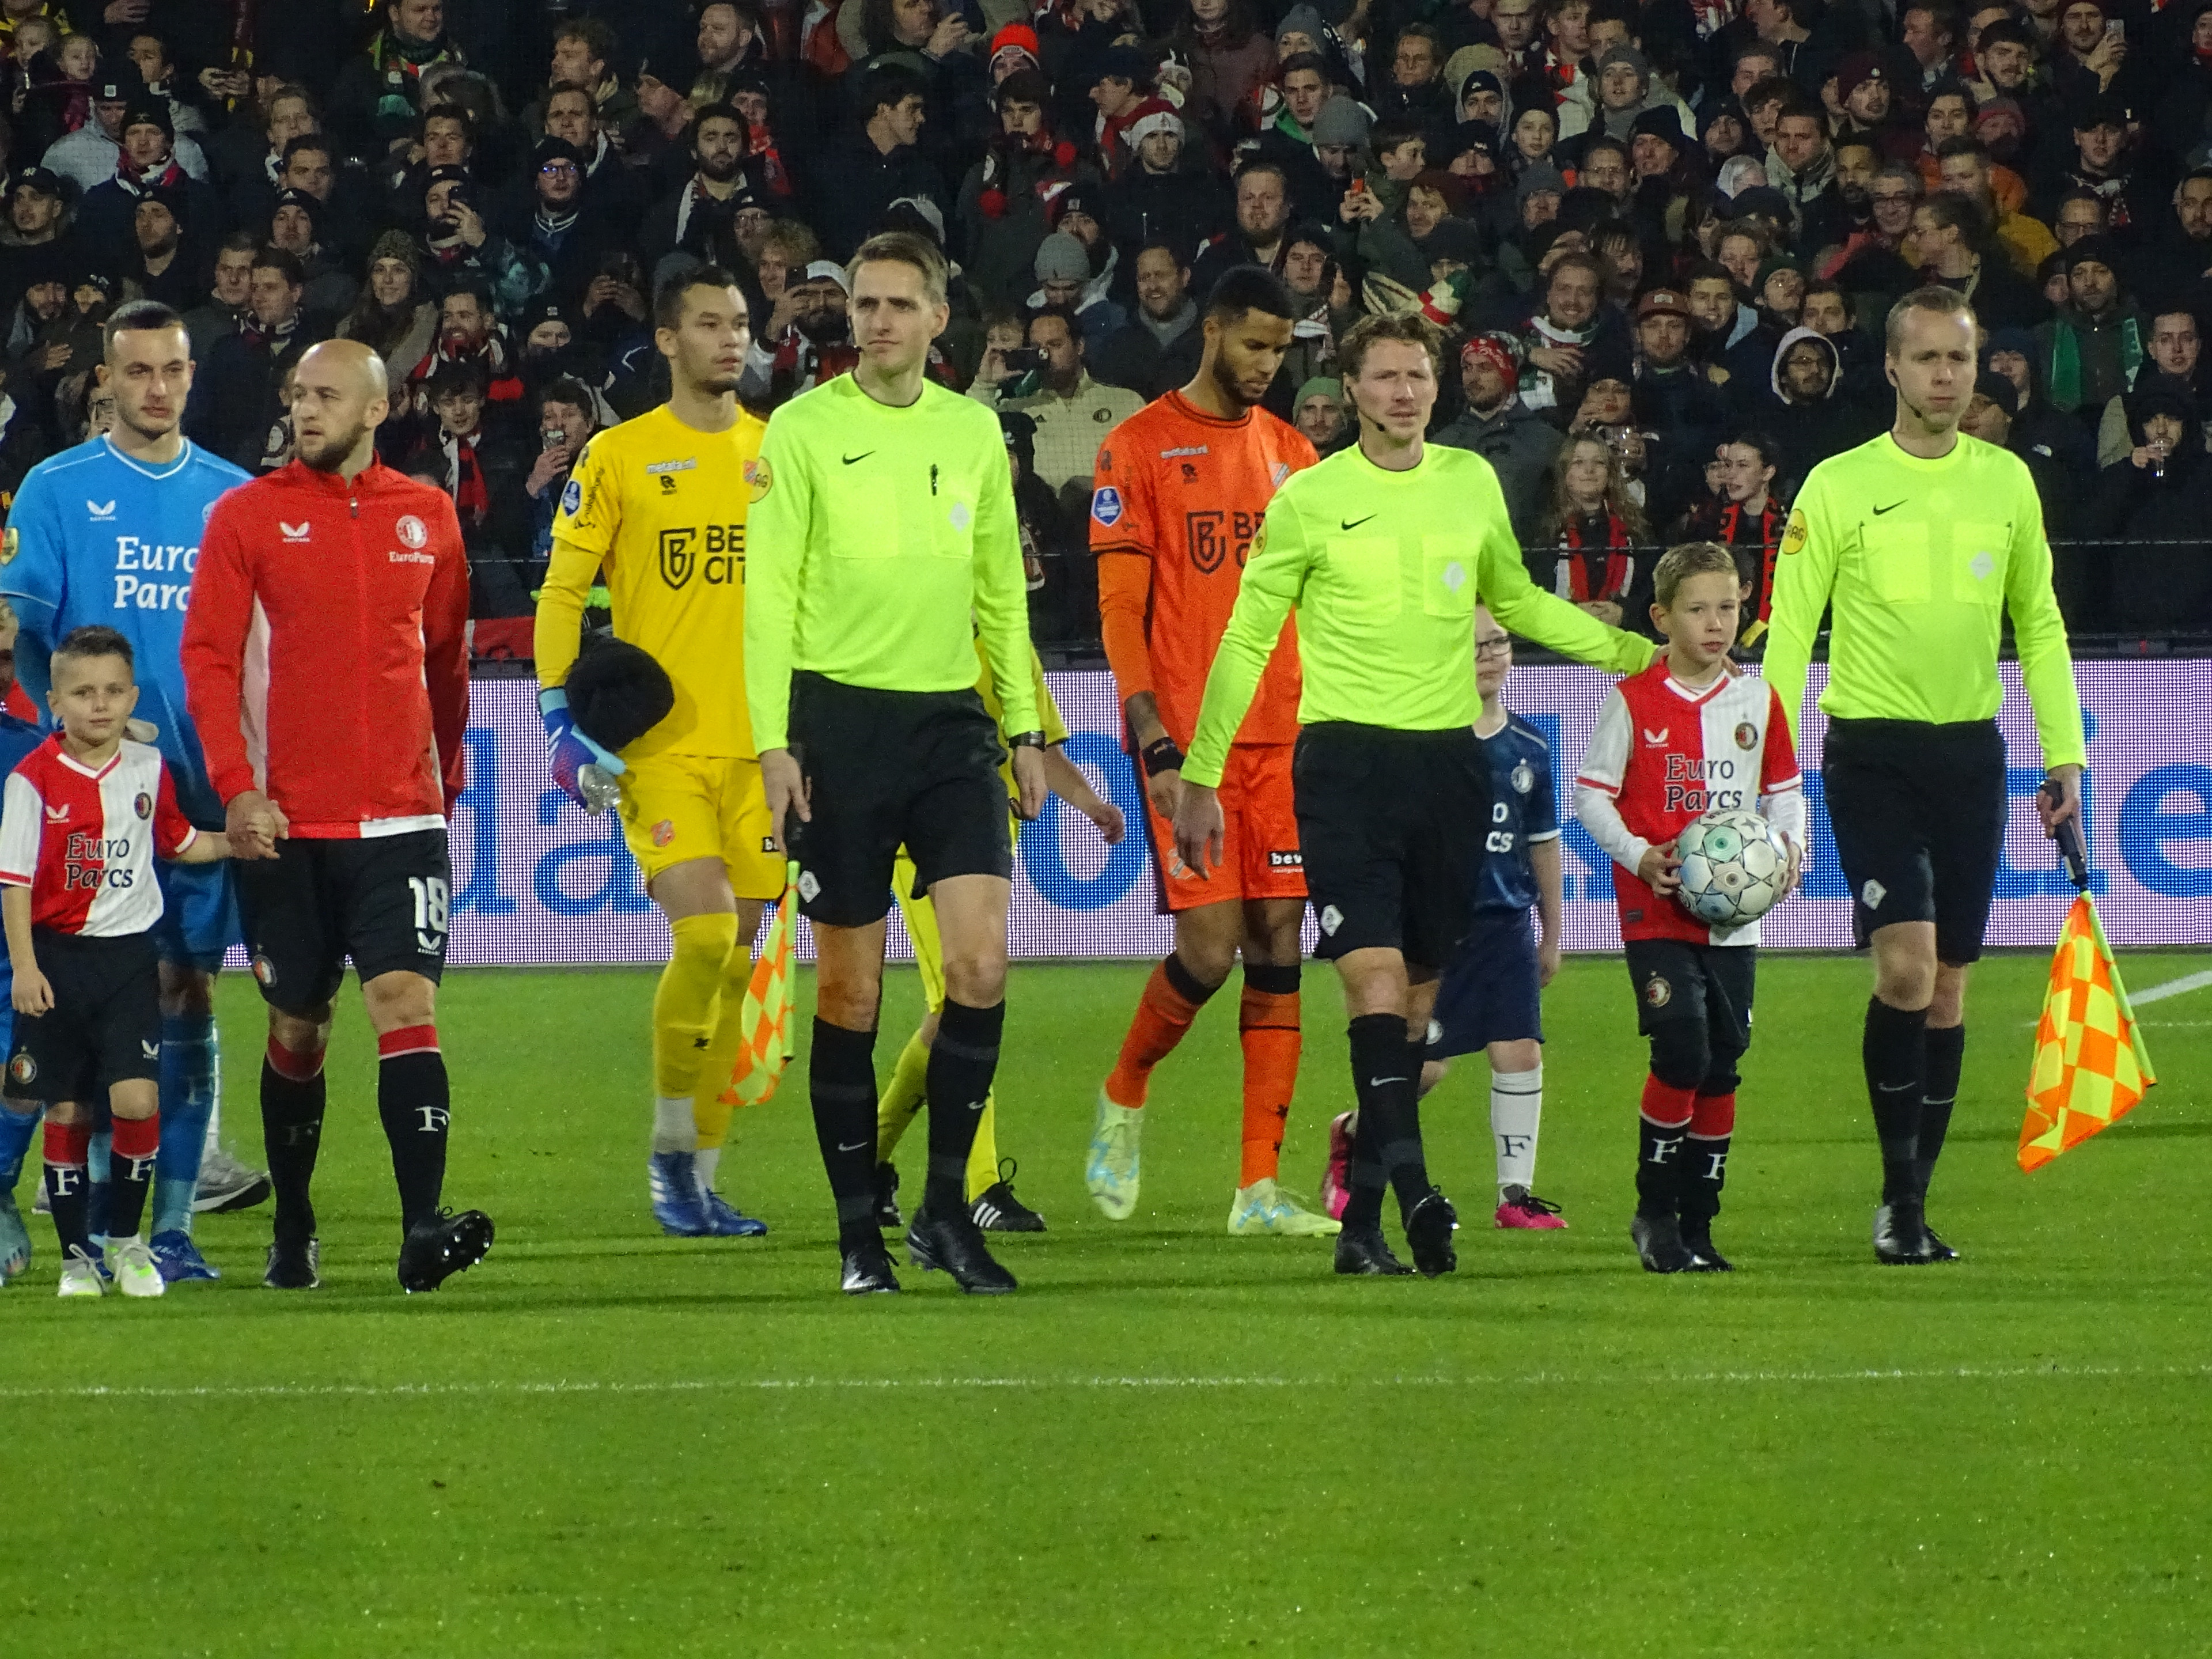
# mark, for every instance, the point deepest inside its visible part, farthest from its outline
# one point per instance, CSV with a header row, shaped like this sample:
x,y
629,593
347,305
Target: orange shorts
x,y
1260,836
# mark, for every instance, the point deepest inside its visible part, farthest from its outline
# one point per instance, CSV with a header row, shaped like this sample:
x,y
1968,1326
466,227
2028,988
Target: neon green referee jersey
x,y
1384,569
1920,560
874,533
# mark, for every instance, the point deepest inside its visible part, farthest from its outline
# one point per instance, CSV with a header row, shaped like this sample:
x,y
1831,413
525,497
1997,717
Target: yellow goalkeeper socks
x,y
683,1008
710,1113
983,1156
901,1097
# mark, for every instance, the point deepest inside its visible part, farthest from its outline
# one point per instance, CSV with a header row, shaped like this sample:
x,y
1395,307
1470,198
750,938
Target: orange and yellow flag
x,y
766,1048
2091,1067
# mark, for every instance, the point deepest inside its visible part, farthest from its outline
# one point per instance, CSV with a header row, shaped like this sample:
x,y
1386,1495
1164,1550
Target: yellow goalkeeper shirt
x,y
660,506
885,547
1384,569
1919,560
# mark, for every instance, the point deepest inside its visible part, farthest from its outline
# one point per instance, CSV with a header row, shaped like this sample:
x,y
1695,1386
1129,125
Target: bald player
x,y
328,619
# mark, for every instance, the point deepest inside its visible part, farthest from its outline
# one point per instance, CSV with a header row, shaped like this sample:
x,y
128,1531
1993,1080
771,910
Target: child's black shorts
x,y
104,1026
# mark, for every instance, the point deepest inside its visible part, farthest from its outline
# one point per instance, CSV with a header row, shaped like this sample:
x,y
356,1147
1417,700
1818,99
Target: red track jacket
x,y
325,650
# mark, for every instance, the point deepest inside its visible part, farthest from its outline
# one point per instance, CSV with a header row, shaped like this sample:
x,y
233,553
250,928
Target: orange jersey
x,y
1179,497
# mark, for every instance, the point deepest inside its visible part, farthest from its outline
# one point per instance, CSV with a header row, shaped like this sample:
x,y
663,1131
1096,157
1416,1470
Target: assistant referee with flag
x,y
1922,540
1384,550
884,546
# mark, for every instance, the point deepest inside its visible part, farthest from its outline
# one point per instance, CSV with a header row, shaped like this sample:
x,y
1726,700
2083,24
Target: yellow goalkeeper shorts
x,y
675,808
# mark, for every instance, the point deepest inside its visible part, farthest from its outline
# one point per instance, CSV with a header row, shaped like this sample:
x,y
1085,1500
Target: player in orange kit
x,y
1182,488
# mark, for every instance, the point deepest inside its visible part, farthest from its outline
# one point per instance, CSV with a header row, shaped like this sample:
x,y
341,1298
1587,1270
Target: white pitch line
x,y
2172,987
1057,1384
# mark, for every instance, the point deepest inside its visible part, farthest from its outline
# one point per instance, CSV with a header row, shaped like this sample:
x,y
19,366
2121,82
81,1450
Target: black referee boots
x,y
441,1245
1900,1234
865,1268
954,1243
1364,1253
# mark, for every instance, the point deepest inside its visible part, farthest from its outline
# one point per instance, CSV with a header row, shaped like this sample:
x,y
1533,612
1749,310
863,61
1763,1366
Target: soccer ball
x,y
1733,867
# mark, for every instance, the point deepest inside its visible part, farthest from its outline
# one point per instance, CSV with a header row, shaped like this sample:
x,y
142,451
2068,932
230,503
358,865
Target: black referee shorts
x,y
1391,825
381,899
104,1026
886,770
1919,815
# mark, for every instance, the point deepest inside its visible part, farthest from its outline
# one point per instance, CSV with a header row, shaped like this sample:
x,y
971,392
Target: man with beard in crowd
x,y
697,214
1495,425
1158,349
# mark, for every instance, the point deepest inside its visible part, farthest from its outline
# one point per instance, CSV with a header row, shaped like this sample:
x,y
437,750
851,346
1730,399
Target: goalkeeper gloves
x,y
569,751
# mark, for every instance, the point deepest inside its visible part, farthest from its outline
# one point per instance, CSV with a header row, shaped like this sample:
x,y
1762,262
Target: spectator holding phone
x,y
566,421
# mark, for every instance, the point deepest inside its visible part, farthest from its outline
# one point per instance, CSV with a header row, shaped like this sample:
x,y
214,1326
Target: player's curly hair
x,y
1681,563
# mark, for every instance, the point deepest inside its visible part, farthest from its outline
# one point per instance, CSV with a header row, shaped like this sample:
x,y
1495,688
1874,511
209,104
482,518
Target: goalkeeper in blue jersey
x,y
1488,999
108,532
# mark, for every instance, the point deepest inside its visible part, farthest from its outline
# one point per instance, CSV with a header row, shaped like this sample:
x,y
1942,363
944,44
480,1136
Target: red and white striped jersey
x,y
1665,754
84,842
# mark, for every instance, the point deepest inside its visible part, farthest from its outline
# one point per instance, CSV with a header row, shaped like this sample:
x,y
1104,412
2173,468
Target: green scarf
x,y
2065,376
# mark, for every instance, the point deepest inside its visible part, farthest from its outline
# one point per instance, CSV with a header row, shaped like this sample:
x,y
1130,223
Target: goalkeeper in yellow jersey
x,y
659,503
990,1184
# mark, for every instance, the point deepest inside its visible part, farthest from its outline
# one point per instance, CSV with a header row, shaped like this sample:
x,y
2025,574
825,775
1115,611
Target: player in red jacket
x,y
326,665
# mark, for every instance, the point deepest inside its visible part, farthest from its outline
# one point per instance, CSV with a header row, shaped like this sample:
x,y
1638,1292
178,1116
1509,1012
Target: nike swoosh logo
x,y
1897,1090
851,459
1354,523
1377,1081
1892,507
854,1147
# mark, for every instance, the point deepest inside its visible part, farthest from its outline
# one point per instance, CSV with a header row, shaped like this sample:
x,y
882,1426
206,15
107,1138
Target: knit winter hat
x,y
1341,121
1062,259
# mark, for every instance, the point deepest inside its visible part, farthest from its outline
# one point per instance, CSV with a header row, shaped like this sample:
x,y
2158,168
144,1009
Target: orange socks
x,y
1171,1000
1268,1024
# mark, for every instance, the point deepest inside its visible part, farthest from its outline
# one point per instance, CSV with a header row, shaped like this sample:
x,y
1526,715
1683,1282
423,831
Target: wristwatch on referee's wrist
x,y
1025,740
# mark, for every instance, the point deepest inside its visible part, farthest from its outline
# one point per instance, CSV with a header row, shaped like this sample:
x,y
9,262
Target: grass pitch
x,y
602,1442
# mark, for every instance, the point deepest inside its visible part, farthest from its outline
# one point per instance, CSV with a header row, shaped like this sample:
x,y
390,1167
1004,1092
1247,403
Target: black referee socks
x,y
1386,1080
1893,1053
962,1063
841,1083
1939,1093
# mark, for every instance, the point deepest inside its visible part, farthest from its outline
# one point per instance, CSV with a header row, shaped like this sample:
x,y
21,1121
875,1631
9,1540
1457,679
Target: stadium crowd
x,y
1664,238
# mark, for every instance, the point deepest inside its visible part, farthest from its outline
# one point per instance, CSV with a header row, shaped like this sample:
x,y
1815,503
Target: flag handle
x,y
2070,842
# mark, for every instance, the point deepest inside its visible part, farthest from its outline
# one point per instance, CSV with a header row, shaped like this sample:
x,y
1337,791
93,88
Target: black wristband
x,y
1161,757
1026,740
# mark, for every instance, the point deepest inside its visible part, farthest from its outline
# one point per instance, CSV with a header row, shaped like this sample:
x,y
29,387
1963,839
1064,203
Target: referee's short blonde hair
x,y
1943,302
1679,563
904,247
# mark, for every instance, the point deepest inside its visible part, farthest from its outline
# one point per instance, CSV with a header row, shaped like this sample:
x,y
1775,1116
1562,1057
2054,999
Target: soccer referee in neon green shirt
x,y
1384,550
1921,541
883,545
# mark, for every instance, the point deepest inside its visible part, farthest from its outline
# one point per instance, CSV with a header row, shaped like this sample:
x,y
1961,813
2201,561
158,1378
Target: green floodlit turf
x,y
602,1442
